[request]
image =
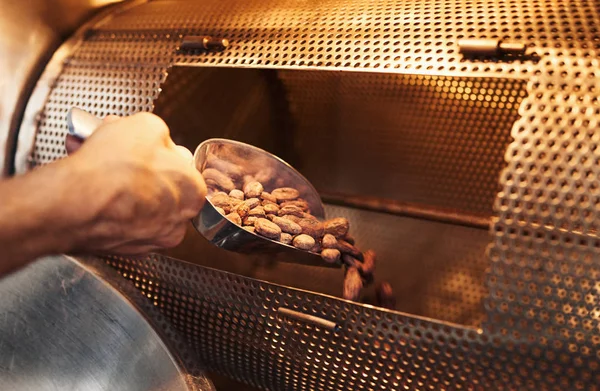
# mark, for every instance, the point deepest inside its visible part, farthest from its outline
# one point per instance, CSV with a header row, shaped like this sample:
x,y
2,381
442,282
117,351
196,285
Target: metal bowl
x,y
65,328
238,160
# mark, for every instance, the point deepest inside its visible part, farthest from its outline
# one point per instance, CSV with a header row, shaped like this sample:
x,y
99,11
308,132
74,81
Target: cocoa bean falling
x,y
281,214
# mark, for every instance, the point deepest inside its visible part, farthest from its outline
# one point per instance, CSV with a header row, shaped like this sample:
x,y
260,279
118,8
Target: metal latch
x,y
490,47
203,42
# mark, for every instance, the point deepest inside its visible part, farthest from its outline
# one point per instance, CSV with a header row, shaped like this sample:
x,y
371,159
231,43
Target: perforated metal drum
x,y
374,103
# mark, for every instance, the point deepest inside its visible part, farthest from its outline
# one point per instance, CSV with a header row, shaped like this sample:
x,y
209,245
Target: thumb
x,y
73,143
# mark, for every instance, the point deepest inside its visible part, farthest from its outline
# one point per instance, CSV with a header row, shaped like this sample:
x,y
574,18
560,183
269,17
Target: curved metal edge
x,y
62,327
23,134
174,344
221,232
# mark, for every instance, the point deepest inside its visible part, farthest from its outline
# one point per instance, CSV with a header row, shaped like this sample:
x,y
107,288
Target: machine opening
x,y
411,160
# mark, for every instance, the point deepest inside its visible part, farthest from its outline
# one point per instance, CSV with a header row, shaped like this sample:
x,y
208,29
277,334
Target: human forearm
x,y
127,190
41,213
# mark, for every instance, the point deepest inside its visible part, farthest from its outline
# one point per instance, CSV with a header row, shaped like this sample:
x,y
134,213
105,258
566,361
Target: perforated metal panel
x,y
233,324
542,328
427,140
545,255
102,89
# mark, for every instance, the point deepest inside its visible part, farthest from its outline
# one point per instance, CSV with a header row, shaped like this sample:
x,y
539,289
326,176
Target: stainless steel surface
x,y
310,319
545,253
406,91
252,161
22,133
426,141
63,328
31,31
232,324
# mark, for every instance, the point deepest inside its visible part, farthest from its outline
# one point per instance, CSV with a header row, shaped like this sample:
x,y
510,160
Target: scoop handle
x,y
82,124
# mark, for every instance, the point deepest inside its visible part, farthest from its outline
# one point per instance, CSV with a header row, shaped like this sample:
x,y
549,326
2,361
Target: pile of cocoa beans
x,y
281,215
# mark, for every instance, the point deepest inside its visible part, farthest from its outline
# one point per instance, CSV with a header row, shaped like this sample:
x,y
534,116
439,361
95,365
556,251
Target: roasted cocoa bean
x,y
311,227
287,225
253,189
257,212
237,194
317,248
350,239
234,218
291,210
268,197
338,227
293,218
368,264
252,202
303,242
218,179
267,229
300,203
291,223
221,200
285,194
330,255
352,284
250,220
235,202
211,191
329,241
286,238
243,210
350,261
347,248
385,295
270,208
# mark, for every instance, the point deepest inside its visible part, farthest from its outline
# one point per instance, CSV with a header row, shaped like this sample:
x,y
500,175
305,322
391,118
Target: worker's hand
x,y
141,188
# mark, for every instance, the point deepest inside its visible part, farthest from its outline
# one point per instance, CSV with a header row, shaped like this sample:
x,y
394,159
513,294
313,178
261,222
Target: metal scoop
x,y
237,160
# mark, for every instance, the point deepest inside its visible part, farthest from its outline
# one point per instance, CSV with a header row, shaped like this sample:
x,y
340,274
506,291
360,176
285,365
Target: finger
x,y
186,153
174,237
152,124
72,143
134,249
188,181
110,118
193,197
